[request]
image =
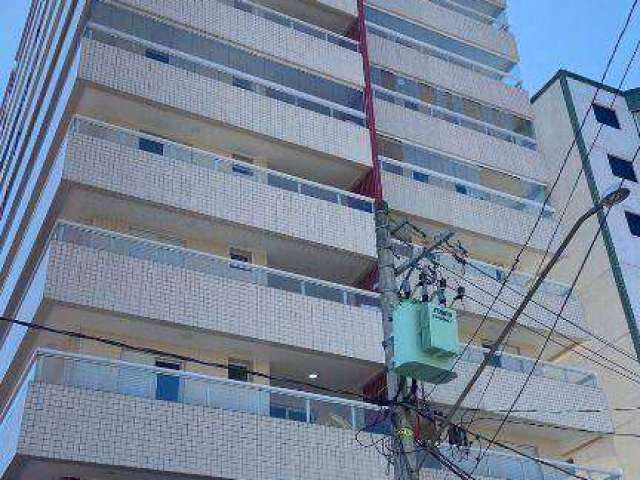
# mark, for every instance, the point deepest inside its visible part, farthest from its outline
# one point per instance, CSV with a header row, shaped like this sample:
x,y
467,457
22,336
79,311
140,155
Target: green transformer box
x,y
425,341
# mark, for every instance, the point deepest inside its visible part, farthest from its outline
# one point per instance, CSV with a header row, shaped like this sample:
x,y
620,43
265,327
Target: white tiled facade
x,y
189,180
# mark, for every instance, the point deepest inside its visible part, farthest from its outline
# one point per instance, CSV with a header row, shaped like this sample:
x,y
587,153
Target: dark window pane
x,y
167,386
622,168
242,83
387,167
634,223
156,55
359,204
606,116
242,169
151,146
421,177
238,372
461,189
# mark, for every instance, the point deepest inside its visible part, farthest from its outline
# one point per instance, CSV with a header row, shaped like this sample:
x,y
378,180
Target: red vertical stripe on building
x,y
371,185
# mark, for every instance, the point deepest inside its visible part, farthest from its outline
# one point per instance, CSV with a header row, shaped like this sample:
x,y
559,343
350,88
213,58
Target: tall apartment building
x,y
194,177
606,153
633,102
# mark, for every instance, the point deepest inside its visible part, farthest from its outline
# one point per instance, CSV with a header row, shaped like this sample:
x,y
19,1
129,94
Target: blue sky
x,y
574,34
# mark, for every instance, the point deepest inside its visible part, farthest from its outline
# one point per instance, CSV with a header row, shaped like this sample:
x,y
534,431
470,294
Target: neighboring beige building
x,y
605,152
179,175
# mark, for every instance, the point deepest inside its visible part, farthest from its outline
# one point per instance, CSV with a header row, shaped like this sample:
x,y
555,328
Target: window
x,y
151,146
167,386
634,223
421,177
606,116
622,168
242,169
156,55
238,370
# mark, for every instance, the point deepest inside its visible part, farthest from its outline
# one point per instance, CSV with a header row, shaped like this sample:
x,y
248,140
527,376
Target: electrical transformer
x,y
425,341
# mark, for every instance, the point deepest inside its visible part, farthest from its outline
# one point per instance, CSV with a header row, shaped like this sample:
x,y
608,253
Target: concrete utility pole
x,y
405,460
405,465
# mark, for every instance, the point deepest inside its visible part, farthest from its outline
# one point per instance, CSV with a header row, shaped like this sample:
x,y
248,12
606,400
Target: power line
x,y
509,448
555,427
582,328
558,176
572,344
184,358
583,264
579,176
552,238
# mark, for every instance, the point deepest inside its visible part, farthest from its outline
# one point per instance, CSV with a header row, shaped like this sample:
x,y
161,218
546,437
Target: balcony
x,y
121,275
451,133
563,405
436,197
456,22
489,13
268,31
89,414
215,102
128,163
483,280
398,54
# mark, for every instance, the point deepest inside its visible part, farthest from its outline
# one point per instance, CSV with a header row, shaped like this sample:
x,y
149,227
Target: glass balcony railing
x,y
233,78
293,23
506,466
154,383
433,111
148,250
499,23
511,78
524,365
463,187
519,280
166,148
224,62
146,381
446,101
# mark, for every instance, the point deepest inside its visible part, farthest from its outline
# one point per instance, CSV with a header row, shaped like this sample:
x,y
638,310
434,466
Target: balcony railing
x,y
505,466
223,74
293,23
148,250
201,158
463,187
499,23
433,111
517,279
115,376
147,381
524,365
511,78
223,61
